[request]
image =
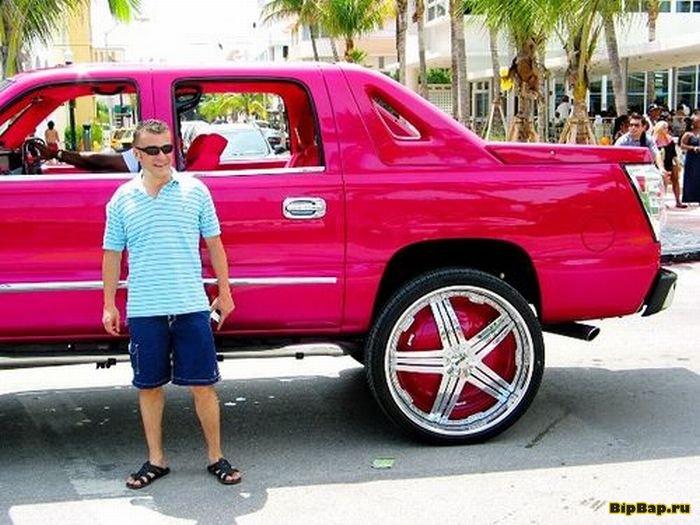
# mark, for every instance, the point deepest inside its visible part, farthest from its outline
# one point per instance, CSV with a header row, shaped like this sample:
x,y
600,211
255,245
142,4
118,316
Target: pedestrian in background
x,y
620,126
158,217
664,141
52,138
690,145
637,136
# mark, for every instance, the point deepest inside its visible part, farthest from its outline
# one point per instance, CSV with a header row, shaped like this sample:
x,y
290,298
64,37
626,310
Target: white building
x,y
673,58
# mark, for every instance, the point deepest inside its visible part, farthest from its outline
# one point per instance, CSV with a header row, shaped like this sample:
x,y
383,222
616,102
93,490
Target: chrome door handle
x,y
304,208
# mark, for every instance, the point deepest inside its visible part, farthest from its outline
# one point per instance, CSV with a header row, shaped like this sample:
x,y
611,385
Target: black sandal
x,y
146,475
222,469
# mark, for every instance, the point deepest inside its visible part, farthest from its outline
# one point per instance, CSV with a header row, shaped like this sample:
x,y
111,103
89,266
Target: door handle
x,y
304,208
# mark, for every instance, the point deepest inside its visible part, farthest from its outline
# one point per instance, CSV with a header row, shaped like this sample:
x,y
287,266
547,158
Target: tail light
x,y
649,184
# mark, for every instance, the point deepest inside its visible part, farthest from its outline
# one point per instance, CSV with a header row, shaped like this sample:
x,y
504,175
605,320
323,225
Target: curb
x,y
682,257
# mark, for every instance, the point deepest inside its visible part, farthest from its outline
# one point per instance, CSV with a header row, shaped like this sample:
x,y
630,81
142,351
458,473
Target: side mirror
x,y
278,149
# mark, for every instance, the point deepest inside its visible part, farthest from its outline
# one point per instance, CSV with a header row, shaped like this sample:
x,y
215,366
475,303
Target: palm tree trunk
x,y
615,66
455,60
313,31
401,23
461,102
465,98
419,18
334,50
495,66
349,48
652,16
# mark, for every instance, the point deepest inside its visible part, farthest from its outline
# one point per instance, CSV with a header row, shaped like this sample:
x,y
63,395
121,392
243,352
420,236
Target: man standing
x,y
158,217
637,136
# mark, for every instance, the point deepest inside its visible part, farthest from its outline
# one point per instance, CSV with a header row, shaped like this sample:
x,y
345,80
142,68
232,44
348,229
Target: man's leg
x,y
152,402
149,350
206,403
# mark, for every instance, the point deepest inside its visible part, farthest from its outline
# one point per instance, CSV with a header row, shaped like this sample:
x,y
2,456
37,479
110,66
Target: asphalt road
x,y
616,420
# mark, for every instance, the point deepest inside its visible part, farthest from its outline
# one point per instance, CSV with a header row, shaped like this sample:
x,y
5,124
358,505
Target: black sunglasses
x,y
154,150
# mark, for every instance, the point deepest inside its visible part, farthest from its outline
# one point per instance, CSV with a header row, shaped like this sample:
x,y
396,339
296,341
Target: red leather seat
x,y
307,153
204,152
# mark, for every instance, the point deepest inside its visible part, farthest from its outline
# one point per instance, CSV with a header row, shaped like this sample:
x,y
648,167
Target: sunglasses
x,y
154,150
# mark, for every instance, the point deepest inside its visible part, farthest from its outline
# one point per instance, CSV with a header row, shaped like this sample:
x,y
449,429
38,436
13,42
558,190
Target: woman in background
x,y
667,146
690,144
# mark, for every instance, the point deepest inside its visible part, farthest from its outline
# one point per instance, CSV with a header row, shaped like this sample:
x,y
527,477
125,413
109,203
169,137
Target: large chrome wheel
x,y
456,356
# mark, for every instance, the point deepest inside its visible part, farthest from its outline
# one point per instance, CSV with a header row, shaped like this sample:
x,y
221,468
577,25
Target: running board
x,y
297,351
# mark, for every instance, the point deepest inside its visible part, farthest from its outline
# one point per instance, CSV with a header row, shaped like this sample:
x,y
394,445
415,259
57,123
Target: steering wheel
x,y
31,155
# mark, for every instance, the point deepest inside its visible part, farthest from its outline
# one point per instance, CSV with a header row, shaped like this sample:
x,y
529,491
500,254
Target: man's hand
x,y
110,320
224,304
44,151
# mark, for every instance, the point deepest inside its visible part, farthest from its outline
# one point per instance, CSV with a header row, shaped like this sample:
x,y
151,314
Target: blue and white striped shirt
x,y
162,237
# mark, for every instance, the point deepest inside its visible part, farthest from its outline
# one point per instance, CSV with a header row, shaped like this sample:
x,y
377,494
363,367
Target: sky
x,y
181,31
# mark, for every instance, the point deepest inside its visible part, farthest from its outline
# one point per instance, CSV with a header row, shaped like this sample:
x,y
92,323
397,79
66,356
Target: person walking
x,y
690,145
664,141
158,217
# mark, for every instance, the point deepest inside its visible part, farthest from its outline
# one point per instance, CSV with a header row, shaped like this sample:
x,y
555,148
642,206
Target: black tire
x,y
481,399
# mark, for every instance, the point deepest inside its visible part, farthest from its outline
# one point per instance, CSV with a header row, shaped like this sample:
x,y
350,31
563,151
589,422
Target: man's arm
x,y
224,301
111,265
90,161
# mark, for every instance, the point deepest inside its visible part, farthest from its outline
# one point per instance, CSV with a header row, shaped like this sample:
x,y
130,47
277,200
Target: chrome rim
x,y
459,360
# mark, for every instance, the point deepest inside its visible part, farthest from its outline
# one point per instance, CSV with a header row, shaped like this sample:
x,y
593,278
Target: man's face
x,y
159,164
636,128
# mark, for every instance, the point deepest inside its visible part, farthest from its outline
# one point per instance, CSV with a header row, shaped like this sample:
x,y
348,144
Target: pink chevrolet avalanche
x,y
385,228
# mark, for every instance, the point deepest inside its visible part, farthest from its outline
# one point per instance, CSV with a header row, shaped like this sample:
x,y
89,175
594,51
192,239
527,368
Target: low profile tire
x,y
455,357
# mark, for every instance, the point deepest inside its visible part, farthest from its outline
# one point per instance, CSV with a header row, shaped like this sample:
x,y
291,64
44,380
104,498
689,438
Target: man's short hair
x,y
635,116
152,126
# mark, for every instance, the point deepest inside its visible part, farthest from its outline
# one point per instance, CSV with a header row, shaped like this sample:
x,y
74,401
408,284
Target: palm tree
x,y
224,105
527,27
348,19
23,22
304,11
608,13
419,18
401,26
579,28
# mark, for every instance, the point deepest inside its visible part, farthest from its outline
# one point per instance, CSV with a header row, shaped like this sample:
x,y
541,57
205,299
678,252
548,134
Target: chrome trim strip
x,y
127,176
97,285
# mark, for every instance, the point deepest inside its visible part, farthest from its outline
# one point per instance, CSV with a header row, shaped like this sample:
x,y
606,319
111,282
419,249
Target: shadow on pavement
x,y
61,446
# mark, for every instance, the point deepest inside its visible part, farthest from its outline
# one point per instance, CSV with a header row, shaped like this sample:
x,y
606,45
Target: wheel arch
x,y
501,259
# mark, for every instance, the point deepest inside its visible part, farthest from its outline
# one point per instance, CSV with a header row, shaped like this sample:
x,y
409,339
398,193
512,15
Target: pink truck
x,y
386,229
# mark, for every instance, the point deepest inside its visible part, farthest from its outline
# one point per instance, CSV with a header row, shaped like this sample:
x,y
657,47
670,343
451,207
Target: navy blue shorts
x,y
177,348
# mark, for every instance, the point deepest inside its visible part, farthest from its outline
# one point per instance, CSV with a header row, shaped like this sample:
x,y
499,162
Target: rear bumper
x,y
661,294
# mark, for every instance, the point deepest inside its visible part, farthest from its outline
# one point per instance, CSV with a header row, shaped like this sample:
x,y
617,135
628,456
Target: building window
x,y
481,92
660,87
636,92
436,9
691,6
687,86
595,97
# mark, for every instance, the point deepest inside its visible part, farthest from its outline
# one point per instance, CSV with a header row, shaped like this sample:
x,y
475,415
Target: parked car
x,y
390,230
273,135
122,138
244,141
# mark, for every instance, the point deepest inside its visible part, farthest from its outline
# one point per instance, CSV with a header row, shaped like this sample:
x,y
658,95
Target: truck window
x,y
241,125
85,117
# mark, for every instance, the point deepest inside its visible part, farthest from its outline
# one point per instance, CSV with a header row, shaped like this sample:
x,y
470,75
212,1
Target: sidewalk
x,y
680,237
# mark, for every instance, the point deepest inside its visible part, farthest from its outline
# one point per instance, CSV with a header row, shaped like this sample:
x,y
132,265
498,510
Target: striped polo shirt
x,y
162,237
